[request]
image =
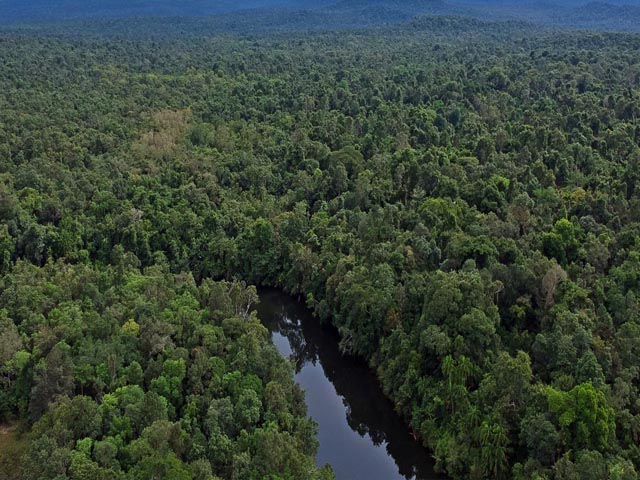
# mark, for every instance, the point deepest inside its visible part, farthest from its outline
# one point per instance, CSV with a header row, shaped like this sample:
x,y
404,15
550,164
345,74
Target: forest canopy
x,y
460,199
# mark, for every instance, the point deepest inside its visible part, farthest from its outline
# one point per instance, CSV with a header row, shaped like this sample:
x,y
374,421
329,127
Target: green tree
x,y
584,416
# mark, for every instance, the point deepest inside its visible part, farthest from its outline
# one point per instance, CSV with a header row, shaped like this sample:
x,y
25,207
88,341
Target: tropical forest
x,y
447,194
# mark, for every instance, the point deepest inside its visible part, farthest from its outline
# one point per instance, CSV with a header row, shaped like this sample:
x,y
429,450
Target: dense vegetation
x,y
304,15
461,200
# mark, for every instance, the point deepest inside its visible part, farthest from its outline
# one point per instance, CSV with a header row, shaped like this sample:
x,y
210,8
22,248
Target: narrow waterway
x,y
360,434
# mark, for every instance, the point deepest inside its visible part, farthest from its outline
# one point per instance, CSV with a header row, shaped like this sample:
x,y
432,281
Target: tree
x,y
256,251
7,248
456,373
248,408
161,467
507,387
550,282
494,443
53,377
45,460
584,416
540,438
562,242
10,340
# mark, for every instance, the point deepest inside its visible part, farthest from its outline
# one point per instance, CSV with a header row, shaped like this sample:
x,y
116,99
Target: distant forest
x,y
260,15
460,198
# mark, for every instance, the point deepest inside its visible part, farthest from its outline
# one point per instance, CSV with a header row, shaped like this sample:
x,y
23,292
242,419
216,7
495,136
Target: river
x,y
360,434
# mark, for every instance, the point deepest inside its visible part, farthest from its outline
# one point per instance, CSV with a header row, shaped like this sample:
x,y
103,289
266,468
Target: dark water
x,y
360,435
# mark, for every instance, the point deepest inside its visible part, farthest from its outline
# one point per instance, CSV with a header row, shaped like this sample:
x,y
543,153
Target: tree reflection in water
x,y
368,411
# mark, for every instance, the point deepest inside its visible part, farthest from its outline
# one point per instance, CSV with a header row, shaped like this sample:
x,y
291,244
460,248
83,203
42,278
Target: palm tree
x,y
494,443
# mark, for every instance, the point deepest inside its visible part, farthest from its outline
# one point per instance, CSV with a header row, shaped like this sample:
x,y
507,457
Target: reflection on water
x,y
360,434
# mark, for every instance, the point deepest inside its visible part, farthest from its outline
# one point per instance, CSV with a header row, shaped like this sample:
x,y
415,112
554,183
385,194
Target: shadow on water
x,y
360,434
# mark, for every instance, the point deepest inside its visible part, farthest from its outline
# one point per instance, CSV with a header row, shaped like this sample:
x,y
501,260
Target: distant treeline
x,y
250,16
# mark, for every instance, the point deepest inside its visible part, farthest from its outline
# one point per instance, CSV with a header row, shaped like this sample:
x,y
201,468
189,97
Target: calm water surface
x,y
360,435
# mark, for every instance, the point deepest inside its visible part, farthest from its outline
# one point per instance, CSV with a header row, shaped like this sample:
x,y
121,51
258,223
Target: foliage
x,y
460,199
105,407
